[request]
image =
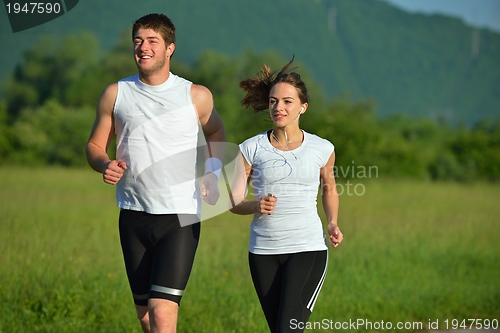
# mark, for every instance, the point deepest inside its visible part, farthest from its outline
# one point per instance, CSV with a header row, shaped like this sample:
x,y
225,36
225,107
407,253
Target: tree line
x,y
49,108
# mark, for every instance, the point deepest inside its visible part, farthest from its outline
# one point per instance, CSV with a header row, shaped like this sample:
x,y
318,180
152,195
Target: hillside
x,y
433,66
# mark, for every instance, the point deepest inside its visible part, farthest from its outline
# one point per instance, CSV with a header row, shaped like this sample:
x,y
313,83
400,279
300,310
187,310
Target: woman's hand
x,y
336,235
266,204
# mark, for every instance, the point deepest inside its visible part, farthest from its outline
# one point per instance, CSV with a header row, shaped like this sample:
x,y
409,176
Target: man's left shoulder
x,y
200,91
201,96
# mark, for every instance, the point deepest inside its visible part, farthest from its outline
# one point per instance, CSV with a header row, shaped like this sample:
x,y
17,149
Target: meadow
x,y
415,253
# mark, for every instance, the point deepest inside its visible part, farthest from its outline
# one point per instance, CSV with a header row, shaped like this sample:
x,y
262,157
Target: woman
x,y
285,166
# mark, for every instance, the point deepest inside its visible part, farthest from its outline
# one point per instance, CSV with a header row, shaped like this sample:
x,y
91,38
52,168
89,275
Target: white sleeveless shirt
x,y
294,178
157,131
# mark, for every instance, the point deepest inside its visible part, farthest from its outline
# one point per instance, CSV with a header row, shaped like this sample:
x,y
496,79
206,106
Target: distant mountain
x,y
415,64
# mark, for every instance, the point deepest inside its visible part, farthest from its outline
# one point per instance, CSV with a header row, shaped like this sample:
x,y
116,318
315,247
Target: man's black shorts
x,y
158,254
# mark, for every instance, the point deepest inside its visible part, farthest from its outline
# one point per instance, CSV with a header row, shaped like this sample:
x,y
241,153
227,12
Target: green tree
x,y
113,65
5,132
52,134
478,151
352,127
49,68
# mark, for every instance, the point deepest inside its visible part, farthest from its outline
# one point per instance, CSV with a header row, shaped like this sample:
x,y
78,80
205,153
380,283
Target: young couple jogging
x,y
156,117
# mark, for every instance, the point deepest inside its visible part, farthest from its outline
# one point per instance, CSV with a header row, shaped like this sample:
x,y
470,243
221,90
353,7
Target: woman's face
x,y
284,104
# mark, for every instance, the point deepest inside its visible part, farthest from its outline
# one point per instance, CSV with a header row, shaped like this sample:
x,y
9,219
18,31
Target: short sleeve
x,y
327,148
248,150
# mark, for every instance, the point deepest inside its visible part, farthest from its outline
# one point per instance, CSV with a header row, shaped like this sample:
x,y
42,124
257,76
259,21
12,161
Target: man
x,y
156,117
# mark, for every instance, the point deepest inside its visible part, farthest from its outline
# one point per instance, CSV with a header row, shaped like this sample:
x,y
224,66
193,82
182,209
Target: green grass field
x,y
413,252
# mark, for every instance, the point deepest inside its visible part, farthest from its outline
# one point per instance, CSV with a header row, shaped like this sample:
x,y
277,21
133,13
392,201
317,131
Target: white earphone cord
x,y
286,136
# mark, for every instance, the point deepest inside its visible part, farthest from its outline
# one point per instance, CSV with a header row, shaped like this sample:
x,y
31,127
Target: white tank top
x,y
157,131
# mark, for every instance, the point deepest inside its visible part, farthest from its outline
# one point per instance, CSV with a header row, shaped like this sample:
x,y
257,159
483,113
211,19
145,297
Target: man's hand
x,y
114,171
209,189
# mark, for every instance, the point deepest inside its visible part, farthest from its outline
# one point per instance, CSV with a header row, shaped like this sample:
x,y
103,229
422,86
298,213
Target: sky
x,y
480,13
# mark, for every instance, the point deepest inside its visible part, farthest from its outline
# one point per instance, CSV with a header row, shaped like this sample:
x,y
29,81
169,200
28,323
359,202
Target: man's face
x,y
150,51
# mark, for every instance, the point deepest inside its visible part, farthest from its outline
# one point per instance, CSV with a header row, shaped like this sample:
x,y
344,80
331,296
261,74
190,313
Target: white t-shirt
x,y
294,178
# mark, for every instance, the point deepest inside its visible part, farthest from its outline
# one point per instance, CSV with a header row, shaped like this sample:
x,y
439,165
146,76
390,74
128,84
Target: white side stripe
x,y
314,297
